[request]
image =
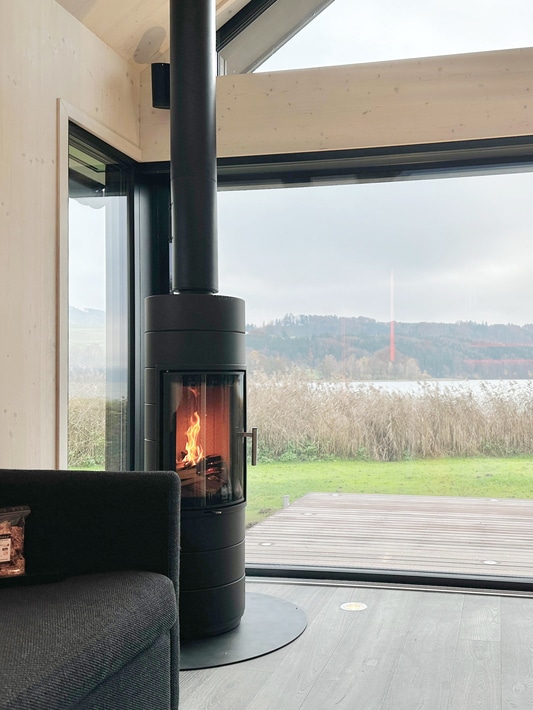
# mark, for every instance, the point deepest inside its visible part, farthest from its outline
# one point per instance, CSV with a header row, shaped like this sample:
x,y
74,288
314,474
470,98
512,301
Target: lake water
x,y
478,388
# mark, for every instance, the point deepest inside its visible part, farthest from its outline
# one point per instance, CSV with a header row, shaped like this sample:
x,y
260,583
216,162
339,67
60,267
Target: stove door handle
x,y
253,435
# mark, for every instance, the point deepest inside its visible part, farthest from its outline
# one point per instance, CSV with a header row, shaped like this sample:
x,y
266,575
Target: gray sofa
x,y
93,624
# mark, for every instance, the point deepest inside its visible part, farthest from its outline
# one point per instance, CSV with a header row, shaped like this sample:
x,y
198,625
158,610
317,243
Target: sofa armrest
x,y
97,521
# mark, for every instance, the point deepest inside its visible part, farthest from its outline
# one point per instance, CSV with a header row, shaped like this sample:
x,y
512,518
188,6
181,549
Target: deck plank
x,y
411,533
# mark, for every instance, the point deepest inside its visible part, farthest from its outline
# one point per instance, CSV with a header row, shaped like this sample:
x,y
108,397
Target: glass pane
x,y
204,420
350,32
390,354
98,313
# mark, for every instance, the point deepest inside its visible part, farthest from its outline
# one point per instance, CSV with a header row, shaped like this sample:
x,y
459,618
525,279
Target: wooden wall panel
x,y
45,54
483,95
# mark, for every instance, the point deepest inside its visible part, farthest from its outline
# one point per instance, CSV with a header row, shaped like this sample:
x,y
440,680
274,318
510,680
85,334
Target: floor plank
x,y
359,671
517,654
218,688
476,676
293,682
428,652
480,618
403,649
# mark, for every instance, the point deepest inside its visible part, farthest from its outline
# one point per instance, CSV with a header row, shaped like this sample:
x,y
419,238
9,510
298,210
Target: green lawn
x,y
471,477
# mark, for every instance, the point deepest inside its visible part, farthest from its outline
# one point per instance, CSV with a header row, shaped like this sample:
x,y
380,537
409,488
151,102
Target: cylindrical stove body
x,y
195,424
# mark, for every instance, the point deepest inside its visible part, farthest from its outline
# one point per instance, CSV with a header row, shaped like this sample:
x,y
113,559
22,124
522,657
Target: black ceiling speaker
x,y
161,85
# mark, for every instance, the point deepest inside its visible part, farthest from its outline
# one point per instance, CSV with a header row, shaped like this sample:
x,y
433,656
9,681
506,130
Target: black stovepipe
x,y
193,171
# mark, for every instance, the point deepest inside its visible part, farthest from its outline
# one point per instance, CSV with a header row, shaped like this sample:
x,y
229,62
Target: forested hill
x,y
356,348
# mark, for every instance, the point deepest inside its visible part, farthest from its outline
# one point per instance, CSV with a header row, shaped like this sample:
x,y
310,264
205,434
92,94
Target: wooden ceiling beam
x,y
405,102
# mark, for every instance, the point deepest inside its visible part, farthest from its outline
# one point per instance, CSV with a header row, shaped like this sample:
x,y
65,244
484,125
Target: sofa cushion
x,y
61,641
143,684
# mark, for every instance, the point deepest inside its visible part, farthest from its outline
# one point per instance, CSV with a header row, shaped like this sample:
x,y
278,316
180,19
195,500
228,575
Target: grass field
x,y
462,477
469,477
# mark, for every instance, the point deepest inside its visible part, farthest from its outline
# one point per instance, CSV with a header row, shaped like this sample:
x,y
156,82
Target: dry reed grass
x,y
86,431
299,420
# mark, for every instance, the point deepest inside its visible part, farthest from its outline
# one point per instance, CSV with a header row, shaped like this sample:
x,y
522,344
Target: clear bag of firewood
x,y
12,521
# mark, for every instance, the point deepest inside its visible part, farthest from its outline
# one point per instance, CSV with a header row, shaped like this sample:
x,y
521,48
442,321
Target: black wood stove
x,y
195,424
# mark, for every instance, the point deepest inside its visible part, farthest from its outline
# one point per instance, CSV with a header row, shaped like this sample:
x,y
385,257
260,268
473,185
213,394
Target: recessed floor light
x,y
353,606
490,562
265,544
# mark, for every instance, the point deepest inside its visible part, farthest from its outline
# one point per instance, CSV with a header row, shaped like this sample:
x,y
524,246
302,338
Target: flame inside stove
x,y
194,452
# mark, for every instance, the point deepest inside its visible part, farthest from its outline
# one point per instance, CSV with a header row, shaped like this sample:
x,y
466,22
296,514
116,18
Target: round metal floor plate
x,y
268,624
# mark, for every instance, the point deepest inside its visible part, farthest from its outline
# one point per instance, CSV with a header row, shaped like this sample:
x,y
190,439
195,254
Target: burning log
x,y
209,472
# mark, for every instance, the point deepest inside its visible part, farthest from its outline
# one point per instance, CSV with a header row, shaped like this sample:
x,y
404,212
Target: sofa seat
x,y
87,641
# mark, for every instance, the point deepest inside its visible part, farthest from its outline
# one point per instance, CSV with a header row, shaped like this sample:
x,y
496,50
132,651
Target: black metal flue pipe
x,y
193,145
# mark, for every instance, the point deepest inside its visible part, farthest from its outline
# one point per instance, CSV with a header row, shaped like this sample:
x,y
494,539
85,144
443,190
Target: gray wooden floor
x,y
413,533
408,650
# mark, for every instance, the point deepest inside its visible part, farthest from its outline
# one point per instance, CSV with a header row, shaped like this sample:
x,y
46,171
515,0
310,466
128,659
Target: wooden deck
x,y
479,536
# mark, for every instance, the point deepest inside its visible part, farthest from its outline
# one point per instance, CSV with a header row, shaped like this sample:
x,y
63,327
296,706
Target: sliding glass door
x,y
99,229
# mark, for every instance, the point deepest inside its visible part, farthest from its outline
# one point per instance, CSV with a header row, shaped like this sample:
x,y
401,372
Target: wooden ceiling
x,y
136,29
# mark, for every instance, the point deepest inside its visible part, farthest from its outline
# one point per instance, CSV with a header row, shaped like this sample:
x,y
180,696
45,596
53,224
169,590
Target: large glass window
x,y
99,186
390,355
460,249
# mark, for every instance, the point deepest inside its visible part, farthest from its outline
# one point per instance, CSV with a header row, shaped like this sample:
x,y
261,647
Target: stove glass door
x,y
203,436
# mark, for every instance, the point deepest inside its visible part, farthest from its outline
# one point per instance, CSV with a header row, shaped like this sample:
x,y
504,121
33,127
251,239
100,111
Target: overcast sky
x,y
350,31
459,248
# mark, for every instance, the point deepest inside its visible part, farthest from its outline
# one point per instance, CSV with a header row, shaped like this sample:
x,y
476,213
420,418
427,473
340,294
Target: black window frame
x,y
384,163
